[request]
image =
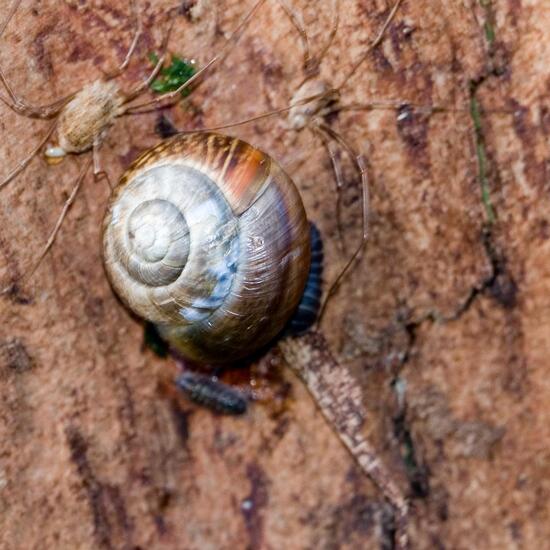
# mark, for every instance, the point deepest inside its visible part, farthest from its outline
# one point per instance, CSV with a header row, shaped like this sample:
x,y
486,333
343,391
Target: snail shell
x,y
207,237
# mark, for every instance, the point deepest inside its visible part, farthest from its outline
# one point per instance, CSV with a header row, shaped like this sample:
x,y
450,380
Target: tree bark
x,y
444,322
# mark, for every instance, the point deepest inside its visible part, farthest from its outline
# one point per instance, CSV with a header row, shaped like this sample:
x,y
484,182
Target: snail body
x,y
207,237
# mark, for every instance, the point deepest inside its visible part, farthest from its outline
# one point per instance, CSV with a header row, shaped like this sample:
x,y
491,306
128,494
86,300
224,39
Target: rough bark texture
x,y
444,323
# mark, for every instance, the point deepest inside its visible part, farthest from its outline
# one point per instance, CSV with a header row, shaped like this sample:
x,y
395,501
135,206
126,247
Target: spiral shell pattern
x,y
207,237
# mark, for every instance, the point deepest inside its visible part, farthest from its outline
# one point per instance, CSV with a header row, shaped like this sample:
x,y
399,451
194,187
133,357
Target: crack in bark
x,y
416,471
500,286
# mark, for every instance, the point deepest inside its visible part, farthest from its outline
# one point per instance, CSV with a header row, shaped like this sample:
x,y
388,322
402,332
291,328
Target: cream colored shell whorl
x,y
207,237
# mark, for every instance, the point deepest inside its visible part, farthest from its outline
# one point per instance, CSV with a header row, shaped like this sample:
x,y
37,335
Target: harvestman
x,y
83,118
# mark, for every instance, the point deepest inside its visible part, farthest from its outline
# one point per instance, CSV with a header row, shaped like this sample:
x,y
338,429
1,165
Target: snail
x,y
207,237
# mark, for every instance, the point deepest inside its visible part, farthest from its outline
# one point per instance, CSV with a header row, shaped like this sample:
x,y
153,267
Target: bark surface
x,y
444,323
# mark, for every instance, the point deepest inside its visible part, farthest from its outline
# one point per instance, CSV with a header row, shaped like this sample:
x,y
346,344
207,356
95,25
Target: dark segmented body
x,y
211,393
308,308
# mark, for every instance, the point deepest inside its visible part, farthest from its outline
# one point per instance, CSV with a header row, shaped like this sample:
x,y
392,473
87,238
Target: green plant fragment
x,y
173,76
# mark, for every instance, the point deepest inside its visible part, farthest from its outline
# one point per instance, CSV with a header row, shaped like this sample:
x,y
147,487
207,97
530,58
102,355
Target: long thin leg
x,y
361,164
372,45
17,104
21,107
170,97
299,157
268,114
339,399
333,31
25,162
379,105
137,33
11,13
99,173
53,234
339,180
140,88
310,64
394,104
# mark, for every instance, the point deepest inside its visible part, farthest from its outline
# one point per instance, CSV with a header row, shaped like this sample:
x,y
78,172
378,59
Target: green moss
x,y
482,163
173,76
489,33
488,26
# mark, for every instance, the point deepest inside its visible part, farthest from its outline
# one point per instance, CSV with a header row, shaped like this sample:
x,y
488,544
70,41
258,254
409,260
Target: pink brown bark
x,y
444,323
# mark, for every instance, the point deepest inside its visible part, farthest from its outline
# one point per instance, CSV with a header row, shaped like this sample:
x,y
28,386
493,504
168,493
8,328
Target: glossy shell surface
x,y
207,237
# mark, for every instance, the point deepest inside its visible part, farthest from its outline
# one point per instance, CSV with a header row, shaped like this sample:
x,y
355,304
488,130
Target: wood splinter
x,y
339,399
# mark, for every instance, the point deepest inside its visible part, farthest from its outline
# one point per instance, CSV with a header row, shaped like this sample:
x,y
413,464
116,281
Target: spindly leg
x,y
53,234
11,13
372,45
137,33
170,97
25,162
361,164
267,114
17,104
99,173
20,106
397,104
310,63
338,178
333,31
140,88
